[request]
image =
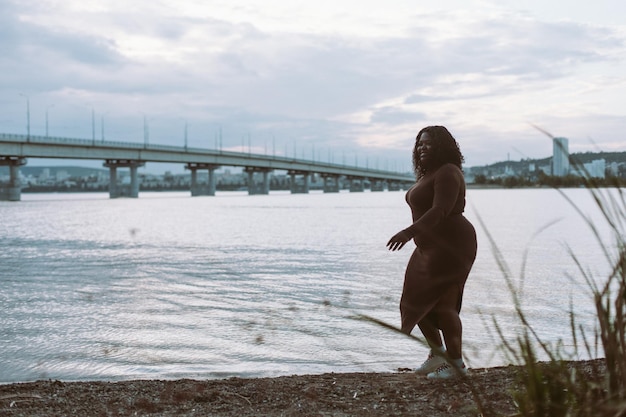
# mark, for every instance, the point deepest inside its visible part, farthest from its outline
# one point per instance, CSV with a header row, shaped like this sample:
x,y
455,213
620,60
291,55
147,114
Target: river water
x,y
168,286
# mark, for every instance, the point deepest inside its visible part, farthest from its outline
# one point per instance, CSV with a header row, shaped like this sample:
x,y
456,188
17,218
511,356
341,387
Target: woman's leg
x,y
431,333
450,323
436,356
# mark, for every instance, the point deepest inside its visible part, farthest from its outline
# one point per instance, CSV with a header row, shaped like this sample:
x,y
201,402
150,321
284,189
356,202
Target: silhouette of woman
x,y
446,248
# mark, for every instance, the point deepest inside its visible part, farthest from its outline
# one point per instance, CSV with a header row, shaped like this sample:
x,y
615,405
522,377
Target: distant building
x,y
595,169
546,169
62,175
560,157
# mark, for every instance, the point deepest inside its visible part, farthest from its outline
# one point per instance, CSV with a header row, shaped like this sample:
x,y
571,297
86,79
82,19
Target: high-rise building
x,y
595,169
560,157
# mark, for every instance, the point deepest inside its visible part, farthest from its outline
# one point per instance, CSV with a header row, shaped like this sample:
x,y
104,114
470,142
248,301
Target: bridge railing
x,y
56,140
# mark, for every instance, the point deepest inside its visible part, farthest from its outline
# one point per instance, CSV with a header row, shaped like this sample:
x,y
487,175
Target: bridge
x,y
16,149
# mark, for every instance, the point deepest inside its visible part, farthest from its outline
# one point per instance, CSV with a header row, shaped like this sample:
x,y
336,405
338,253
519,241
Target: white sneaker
x,y
447,371
432,363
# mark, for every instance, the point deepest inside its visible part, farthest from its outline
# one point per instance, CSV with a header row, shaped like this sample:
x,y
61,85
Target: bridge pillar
x,y
194,181
202,189
134,182
299,187
13,190
377,185
113,193
393,186
356,184
116,190
331,183
253,187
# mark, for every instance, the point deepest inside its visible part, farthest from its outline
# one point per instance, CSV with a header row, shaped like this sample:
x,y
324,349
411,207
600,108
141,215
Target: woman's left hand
x,y
398,240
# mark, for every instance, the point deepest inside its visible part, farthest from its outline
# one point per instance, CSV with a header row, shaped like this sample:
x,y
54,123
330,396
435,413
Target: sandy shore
x,y
351,394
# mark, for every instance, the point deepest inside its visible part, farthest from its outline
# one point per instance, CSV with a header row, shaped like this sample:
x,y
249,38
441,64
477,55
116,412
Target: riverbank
x,y
351,394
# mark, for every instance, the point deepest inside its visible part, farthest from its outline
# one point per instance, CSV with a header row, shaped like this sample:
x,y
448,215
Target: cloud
x,y
36,58
391,116
482,74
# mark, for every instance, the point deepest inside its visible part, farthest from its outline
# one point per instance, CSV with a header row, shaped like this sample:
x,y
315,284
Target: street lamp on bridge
x,y
93,126
185,132
102,126
27,116
146,132
48,108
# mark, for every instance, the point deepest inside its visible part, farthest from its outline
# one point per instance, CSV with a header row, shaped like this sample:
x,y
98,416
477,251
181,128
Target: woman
x,y
445,252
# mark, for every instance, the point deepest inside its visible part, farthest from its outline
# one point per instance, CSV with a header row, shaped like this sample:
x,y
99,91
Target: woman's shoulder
x,y
449,169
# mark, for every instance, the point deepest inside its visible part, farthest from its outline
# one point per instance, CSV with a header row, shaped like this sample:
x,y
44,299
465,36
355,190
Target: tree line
x,y
544,180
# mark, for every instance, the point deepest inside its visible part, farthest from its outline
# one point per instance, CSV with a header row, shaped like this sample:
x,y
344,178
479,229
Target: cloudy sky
x,y
350,80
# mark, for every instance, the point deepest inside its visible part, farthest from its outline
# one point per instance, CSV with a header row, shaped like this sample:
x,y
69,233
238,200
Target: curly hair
x,y
445,150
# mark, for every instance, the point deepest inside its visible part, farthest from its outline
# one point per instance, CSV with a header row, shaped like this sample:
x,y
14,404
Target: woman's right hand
x,y
398,240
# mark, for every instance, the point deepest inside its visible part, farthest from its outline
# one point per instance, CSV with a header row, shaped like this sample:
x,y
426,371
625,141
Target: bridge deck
x,y
22,146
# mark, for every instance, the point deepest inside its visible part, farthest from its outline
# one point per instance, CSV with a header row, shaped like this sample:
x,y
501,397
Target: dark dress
x,y
446,244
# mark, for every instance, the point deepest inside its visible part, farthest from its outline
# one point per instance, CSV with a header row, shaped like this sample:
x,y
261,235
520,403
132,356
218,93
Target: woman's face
x,y
425,149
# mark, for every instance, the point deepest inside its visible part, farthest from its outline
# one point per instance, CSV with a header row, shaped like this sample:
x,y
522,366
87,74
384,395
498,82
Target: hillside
x,y
581,157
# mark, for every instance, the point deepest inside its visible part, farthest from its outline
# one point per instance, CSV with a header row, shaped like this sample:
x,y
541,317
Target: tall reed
x,y
556,387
